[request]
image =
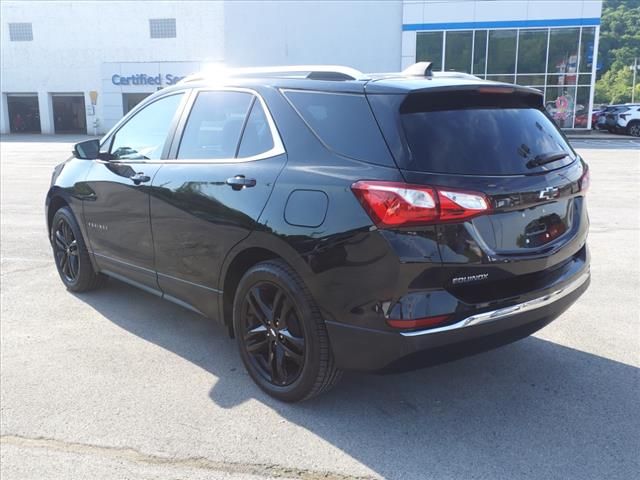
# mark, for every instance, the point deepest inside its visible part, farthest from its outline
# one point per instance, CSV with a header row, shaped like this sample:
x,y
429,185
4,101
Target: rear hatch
x,y
497,142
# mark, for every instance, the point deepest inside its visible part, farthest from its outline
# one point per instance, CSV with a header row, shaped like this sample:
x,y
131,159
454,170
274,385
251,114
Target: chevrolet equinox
x,y
333,220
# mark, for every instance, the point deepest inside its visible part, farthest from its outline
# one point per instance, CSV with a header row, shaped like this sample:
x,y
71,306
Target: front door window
x,y
143,137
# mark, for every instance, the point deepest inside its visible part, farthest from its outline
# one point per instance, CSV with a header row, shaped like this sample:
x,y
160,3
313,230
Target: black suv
x,y
333,220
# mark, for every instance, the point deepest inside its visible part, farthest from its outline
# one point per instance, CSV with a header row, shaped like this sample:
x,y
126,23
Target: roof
x,y
343,79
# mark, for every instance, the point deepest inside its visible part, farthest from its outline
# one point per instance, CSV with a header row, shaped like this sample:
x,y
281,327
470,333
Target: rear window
x,y
343,122
482,141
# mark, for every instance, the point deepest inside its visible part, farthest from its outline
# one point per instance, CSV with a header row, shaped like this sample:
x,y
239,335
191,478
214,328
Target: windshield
x,y
483,141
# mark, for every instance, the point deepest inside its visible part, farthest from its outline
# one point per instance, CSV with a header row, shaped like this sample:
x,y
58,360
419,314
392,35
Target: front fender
x,y
68,188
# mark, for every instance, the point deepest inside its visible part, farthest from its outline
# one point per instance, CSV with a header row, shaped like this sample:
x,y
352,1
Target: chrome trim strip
x,y
505,312
277,149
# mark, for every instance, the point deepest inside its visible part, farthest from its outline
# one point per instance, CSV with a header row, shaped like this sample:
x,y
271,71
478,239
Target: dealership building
x,y
78,67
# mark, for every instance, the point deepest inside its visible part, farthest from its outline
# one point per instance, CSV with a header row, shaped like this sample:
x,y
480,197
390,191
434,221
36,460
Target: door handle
x,y
239,182
139,178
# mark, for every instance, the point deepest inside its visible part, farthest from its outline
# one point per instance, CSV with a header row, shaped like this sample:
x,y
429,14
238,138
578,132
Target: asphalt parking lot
x,y
119,384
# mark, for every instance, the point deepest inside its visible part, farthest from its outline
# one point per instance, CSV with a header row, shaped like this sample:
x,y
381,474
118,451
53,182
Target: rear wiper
x,y
546,158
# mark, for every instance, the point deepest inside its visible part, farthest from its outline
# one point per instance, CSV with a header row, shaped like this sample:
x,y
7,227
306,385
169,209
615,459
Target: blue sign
x,y
144,79
590,58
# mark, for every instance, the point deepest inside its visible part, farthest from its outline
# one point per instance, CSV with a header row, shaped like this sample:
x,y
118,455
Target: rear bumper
x,y
357,348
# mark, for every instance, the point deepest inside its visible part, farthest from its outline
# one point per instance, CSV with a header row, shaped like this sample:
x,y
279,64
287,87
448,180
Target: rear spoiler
x,y
482,95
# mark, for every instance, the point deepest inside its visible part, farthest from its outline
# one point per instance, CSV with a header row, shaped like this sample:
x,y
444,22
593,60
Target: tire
x,y
633,129
71,255
281,335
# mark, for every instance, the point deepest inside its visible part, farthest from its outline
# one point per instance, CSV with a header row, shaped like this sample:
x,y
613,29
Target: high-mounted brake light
x,y
496,90
395,204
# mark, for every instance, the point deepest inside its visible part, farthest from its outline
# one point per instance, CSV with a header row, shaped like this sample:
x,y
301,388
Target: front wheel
x,y
71,255
282,338
633,129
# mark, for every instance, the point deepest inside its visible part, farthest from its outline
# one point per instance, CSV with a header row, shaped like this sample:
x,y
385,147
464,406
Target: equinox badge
x,y
470,278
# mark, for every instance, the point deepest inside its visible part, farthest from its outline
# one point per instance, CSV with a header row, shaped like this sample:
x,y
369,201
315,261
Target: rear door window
x,y
488,140
256,137
343,122
214,125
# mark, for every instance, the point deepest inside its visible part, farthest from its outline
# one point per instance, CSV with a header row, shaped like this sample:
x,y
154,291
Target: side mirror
x,y
87,150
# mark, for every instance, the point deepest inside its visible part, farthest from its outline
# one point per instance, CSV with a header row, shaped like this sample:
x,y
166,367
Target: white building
x,y
80,66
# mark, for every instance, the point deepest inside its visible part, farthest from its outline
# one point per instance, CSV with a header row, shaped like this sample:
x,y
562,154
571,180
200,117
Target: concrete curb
x,y
598,136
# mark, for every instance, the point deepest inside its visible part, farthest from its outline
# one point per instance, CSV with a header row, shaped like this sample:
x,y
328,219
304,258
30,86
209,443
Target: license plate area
x,y
528,229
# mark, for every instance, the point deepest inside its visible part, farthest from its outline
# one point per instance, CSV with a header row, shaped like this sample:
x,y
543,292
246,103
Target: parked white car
x,y
625,120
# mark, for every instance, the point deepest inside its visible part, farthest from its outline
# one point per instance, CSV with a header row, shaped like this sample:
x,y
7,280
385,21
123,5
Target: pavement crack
x,y
133,455
22,270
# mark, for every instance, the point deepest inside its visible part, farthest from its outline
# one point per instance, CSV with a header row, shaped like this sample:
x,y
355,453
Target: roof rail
x,y
312,72
453,74
424,69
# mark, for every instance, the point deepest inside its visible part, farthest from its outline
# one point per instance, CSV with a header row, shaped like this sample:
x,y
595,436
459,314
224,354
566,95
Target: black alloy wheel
x,y
273,336
281,334
71,255
66,251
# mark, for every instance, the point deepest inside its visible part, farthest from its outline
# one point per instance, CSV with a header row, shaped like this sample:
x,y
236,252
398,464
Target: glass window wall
x,y
557,61
429,48
586,48
480,53
458,51
502,52
532,51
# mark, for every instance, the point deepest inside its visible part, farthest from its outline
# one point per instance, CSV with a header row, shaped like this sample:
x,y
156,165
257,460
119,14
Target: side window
x,y
344,122
214,125
256,138
144,135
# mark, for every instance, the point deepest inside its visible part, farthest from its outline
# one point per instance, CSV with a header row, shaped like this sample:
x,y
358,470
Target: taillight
x,y
585,181
623,115
395,204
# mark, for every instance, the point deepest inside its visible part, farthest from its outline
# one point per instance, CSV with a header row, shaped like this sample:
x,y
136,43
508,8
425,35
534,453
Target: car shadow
x,y
532,409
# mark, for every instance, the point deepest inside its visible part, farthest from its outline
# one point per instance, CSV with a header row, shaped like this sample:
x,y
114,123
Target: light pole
x,y
633,85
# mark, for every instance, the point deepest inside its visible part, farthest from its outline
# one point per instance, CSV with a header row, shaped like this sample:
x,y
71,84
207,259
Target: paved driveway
x,y
119,384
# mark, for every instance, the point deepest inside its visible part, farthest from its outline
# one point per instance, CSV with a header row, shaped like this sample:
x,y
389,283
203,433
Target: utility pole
x,y
633,85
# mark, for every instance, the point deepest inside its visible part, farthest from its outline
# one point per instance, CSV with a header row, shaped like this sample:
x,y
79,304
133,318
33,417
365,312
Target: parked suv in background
x,y
597,112
625,119
608,118
333,220
601,121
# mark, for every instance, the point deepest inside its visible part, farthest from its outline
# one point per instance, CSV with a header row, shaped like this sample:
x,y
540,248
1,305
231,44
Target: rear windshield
x,y
482,141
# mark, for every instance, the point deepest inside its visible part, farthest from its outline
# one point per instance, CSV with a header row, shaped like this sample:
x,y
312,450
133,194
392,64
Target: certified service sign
x,y
144,79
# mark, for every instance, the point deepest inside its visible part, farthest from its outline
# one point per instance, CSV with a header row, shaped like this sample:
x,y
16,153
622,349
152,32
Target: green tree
x,y
615,86
619,46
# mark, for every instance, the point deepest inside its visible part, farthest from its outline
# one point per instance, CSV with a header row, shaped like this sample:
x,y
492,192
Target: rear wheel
x,y
282,338
633,129
71,255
